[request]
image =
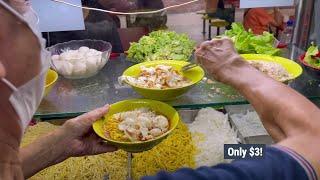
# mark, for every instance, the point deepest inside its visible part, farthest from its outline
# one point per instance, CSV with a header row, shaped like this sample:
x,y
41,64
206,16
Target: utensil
x,y
188,67
129,166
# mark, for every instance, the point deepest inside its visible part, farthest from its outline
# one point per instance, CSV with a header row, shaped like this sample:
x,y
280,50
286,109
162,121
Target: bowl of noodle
x,y
113,126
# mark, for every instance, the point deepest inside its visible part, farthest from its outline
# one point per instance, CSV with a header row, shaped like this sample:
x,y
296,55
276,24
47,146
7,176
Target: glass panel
x,y
73,97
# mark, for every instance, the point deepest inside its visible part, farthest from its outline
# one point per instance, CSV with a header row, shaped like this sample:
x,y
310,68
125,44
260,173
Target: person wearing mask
x,y
291,119
261,19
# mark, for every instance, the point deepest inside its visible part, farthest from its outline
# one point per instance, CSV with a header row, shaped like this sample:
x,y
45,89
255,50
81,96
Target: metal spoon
x,y
188,67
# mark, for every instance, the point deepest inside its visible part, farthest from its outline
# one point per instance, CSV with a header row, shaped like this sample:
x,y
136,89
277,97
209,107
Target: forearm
x,y
44,152
291,119
284,111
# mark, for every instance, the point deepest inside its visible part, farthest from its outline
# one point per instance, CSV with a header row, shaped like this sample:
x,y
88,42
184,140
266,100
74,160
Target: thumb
x,y
92,116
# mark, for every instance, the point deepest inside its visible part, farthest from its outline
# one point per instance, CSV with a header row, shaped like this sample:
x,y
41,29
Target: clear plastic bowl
x,y
104,47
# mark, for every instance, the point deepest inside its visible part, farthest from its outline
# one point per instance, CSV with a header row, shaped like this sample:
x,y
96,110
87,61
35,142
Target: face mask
x,y
26,98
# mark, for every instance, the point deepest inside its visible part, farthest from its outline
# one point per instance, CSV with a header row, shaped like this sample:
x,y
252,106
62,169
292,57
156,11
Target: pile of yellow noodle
x,y
177,151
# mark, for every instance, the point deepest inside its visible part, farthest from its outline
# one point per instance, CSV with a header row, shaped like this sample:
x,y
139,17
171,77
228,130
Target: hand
x,y
80,138
218,57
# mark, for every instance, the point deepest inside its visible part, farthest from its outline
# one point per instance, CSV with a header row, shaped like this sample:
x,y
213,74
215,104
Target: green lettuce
x,y
310,56
161,45
248,43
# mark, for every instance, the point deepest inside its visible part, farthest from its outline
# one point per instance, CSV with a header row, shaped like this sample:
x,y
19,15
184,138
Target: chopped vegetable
x,y
161,45
248,43
312,56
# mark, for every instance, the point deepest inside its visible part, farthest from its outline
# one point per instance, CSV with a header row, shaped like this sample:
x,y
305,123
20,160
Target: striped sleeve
x,y
310,172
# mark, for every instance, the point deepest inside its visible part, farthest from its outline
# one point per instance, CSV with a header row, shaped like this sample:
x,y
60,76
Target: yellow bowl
x,y
51,79
292,67
195,75
128,105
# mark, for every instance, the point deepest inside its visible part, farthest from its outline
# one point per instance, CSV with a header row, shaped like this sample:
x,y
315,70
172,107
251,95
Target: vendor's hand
x,y
219,57
80,138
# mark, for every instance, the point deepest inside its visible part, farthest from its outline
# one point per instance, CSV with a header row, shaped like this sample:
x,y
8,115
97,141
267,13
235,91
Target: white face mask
x,y
26,98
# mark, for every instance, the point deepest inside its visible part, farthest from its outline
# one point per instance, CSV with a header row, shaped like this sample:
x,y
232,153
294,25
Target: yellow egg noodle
x,y
177,151
112,128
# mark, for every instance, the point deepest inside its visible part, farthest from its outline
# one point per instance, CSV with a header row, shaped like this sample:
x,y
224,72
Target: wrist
x,y
60,145
9,154
232,71
44,152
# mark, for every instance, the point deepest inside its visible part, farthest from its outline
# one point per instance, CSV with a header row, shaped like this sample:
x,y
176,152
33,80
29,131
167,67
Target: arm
x,y
74,138
291,119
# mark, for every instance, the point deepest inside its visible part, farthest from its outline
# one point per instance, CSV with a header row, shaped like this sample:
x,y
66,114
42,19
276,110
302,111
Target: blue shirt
x,y
279,163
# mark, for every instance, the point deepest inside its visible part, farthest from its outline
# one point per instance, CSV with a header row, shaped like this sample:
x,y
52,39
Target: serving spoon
x,y
188,67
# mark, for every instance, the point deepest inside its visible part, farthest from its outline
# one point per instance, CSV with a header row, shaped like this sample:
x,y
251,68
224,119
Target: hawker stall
x,y
166,112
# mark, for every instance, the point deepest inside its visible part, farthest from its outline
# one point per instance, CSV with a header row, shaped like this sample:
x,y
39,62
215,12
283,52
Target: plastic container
x,y
286,36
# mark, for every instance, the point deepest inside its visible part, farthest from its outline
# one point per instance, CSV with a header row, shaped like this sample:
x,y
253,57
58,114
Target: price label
x,y
244,151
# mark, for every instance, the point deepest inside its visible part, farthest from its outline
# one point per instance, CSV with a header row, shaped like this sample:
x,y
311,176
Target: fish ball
x,y
91,64
83,49
79,69
66,68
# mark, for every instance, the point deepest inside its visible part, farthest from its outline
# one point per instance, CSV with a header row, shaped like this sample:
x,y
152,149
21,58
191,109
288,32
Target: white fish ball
x,y
92,51
91,64
73,52
66,68
57,64
79,69
98,60
89,54
98,53
64,56
83,49
82,54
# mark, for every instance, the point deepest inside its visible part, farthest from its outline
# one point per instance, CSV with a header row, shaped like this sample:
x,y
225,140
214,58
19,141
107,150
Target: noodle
x,y
175,152
111,127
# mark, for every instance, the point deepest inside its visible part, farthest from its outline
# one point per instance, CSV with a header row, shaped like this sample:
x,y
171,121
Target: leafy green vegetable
x,y
311,56
248,43
161,45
